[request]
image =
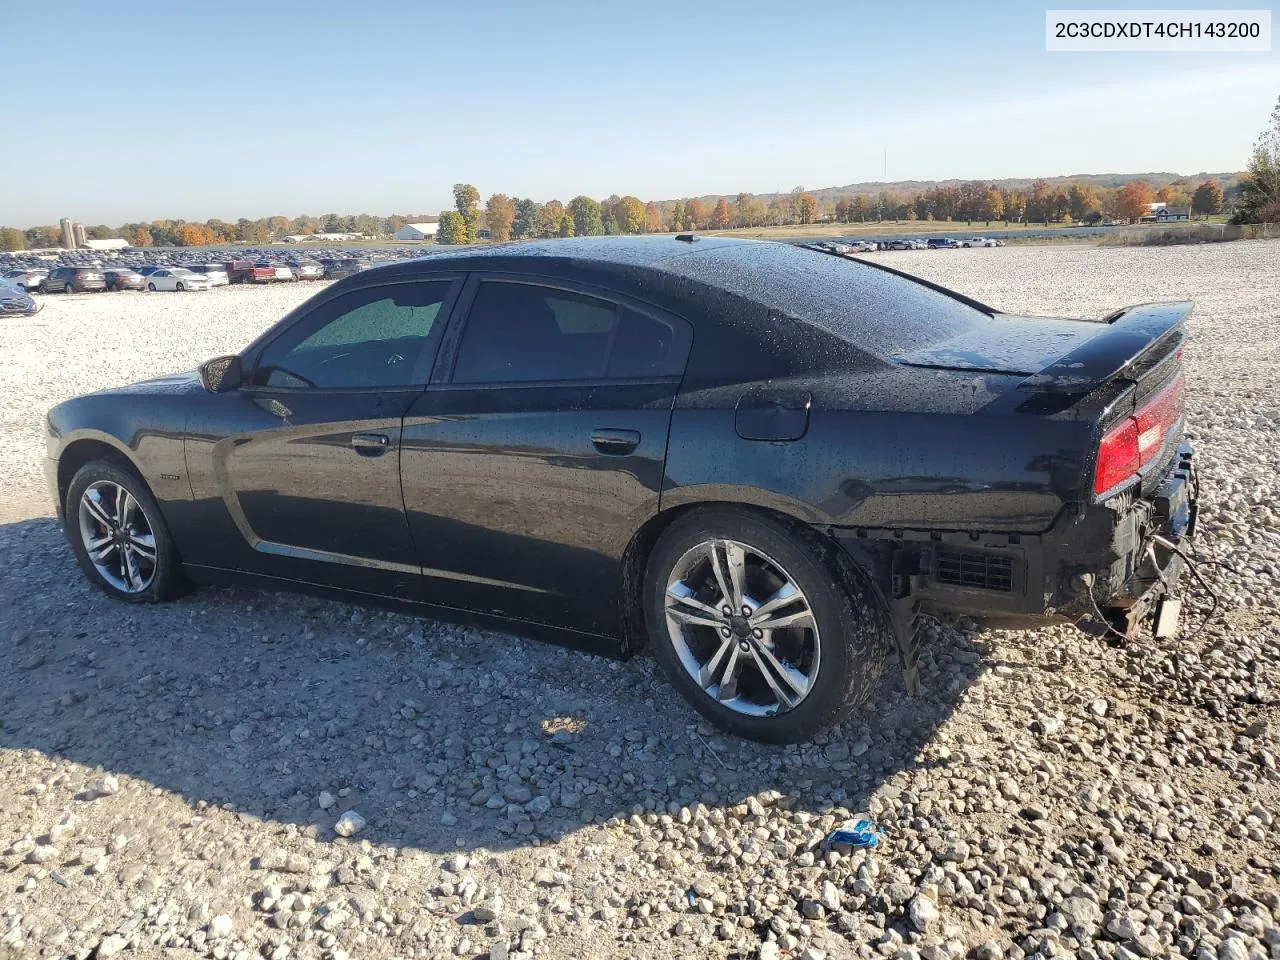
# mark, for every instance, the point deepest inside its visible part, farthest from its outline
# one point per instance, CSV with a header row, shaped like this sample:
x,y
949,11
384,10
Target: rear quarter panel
x,y
940,457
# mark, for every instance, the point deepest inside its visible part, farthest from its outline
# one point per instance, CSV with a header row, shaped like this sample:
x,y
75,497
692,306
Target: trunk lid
x,y
1062,356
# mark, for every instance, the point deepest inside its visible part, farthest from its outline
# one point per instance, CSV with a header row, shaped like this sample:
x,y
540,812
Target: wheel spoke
x,y
693,619
728,561
99,550
129,569
707,675
92,500
793,678
680,594
792,614
144,545
729,679
785,594
124,507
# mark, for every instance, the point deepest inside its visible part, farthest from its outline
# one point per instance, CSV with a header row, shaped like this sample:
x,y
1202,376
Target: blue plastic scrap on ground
x,y
859,834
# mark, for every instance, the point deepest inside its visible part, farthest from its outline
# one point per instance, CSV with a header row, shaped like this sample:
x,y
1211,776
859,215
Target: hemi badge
x,y
168,476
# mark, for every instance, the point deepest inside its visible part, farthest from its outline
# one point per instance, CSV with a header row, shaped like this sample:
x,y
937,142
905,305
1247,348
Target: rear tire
x,y
793,679
181,287
110,507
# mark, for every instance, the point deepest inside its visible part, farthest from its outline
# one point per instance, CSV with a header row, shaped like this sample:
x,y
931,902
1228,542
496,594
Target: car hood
x,y
174,383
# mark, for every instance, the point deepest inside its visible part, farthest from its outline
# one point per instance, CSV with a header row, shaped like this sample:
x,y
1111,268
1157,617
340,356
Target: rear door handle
x,y
370,444
615,442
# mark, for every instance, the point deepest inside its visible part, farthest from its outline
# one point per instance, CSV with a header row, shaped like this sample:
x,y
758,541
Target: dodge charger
x,y
762,462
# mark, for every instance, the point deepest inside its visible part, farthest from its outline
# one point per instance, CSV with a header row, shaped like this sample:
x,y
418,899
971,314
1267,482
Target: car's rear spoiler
x,y
1132,333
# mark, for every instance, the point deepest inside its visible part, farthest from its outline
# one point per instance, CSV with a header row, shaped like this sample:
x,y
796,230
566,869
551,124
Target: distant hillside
x,y
1110,180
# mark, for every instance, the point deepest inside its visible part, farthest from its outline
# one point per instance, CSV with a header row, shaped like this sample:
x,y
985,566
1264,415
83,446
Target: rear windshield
x,y
874,310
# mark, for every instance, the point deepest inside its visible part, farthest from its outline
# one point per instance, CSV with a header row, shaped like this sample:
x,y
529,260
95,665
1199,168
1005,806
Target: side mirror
x,y
221,374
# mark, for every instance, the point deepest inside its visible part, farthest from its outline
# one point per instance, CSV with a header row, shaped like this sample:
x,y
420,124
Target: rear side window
x,y
520,333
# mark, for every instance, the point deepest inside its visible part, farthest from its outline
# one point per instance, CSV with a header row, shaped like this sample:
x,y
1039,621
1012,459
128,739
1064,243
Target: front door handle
x,y
615,442
370,444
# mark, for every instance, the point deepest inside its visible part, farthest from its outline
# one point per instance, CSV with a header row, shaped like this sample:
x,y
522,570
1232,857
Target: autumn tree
x,y
652,218
858,208
12,239
453,229
1082,200
138,236
743,214
193,235
500,213
1040,202
629,214
1133,201
467,200
994,207
1207,200
695,214
1260,186
1173,196
677,216
556,221
586,217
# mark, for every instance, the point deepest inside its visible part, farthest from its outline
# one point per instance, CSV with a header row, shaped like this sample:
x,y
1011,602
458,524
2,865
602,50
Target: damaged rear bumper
x,y
1111,562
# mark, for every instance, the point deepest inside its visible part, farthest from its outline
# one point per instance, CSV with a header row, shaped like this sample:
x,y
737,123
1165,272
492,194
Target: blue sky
x,y
198,111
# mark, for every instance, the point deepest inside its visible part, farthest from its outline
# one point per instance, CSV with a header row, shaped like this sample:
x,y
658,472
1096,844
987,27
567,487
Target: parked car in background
x,y
124,279
306,269
977,242
15,301
279,270
661,384
24,279
249,271
344,267
864,246
941,243
73,280
902,243
216,273
177,278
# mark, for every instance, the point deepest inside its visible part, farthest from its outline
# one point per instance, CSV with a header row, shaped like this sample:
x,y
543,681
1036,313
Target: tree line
x,y
505,217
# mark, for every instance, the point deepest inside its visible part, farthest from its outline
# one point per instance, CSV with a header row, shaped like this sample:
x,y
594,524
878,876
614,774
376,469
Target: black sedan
x,y
761,461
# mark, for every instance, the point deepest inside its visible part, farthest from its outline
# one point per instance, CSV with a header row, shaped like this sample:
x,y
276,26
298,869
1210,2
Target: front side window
x,y
518,333
368,338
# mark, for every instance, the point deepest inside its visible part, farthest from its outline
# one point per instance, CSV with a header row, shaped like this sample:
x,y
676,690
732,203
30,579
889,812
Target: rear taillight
x,y
1134,442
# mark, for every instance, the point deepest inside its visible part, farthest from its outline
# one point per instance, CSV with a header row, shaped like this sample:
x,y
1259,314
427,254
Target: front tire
x,y
763,627
151,287
119,535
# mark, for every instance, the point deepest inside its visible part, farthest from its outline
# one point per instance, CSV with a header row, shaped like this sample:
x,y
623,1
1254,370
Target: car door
x,y
537,451
298,471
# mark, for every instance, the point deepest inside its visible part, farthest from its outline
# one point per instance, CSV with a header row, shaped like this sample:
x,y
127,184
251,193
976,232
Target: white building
x,y
417,231
113,243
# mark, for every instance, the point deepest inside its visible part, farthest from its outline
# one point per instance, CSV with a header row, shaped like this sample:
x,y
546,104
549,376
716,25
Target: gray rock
x,y
349,824
112,945
923,913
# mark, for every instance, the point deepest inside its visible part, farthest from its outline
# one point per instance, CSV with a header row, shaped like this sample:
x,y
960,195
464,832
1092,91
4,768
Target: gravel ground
x,y
188,779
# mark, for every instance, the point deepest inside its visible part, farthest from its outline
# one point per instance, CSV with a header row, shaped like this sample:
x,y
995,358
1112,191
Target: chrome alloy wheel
x,y
117,537
742,628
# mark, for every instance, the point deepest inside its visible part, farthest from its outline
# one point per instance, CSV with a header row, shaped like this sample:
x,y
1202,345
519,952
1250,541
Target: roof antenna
x,y
686,237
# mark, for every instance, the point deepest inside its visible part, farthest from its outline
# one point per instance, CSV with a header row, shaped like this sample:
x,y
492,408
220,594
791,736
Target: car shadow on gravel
x,y
441,737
